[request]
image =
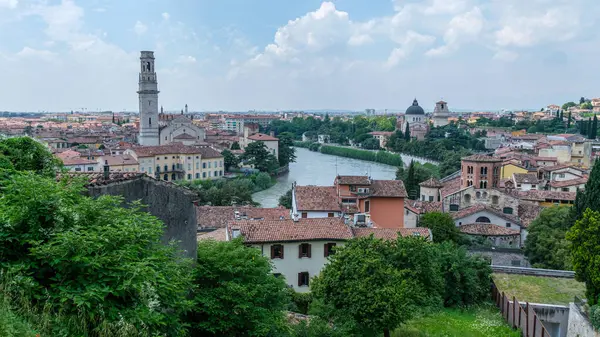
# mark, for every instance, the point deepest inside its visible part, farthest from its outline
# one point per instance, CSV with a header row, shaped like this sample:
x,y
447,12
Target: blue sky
x,y
236,55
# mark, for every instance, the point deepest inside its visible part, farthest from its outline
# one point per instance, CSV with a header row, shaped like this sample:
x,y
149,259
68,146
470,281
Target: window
x,y
329,249
197,175
330,215
533,186
453,208
173,176
508,224
197,165
189,166
422,197
507,210
277,275
166,177
189,157
304,215
277,252
166,168
367,206
189,176
561,175
203,174
77,169
150,120
303,279
304,250
90,168
216,173
203,165
483,219
165,157
565,189
495,199
209,164
467,198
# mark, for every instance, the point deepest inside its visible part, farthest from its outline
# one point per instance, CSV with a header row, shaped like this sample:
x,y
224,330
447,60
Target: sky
x,y
239,55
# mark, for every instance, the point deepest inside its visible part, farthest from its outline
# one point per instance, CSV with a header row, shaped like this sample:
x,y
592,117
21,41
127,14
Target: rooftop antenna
x,y
336,171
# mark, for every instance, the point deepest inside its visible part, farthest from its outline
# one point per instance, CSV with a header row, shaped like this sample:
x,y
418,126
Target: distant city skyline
x,y
268,55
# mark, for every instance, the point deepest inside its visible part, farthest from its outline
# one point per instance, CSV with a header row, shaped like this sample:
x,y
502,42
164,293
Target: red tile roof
x,y
450,187
353,180
483,208
218,234
290,230
97,178
481,158
122,159
488,229
571,182
219,216
173,148
546,195
317,198
262,137
422,207
78,161
528,212
526,178
388,188
432,182
391,233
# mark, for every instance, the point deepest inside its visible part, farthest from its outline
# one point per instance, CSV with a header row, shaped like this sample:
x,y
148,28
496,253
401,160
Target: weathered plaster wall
x,y
579,326
173,205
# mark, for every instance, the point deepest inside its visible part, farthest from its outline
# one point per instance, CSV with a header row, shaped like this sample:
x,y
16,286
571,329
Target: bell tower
x,y
148,97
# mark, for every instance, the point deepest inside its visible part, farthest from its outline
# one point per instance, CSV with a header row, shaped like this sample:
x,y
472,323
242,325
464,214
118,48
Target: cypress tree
x,y
410,183
590,128
407,133
569,120
588,198
561,115
594,131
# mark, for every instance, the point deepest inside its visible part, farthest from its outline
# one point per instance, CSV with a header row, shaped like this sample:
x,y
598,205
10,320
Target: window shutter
x,y
307,279
299,250
281,251
272,251
299,279
326,250
309,245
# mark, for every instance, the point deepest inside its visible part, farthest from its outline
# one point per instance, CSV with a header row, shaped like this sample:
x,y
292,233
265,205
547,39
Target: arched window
x,y
478,195
495,199
166,168
484,194
453,208
166,177
483,219
157,168
507,210
467,198
173,176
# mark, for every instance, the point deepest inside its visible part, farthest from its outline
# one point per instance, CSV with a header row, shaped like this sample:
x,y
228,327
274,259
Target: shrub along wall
x,y
382,157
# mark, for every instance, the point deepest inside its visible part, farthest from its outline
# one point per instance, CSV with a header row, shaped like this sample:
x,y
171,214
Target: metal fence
x,y
517,316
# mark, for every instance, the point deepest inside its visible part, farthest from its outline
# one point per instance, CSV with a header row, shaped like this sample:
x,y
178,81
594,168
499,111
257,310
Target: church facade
x,y
415,119
161,129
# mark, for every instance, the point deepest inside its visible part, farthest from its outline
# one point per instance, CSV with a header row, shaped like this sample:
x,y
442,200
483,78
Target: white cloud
x,y
186,59
28,52
360,39
445,7
505,55
408,42
166,16
463,28
11,4
139,28
549,25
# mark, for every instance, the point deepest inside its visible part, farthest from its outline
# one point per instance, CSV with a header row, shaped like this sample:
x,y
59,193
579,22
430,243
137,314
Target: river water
x,y
315,168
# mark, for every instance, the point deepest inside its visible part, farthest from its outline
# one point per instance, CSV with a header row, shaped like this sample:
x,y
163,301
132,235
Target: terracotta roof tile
x,y
526,178
262,137
538,195
317,198
483,208
571,182
422,207
122,159
432,182
78,161
353,180
481,158
450,187
219,216
290,230
391,233
173,148
528,212
218,234
487,229
387,188
97,178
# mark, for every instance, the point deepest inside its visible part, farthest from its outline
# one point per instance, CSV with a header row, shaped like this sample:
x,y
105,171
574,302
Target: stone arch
x,y
483,219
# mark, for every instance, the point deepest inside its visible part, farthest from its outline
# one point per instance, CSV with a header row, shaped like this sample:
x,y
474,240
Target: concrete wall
x,y
533,271
173,205
291,264
579,325
554,317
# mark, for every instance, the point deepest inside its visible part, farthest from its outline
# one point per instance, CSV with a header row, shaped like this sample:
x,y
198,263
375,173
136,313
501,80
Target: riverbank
x,y
380,156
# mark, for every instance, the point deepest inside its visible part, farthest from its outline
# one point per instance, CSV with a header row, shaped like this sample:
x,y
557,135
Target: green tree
x,y
235,292
586,105
257,155
407,133
370,144
589,196
582,100
546,246
262,181
567,105
442,227
230,160
287,154
27,154
569,120
584,237
410,183
286,199
235,146
561,115
361,285
594,129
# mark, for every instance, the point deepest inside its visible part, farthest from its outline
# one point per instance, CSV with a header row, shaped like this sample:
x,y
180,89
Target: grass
x,y
480,321
537,289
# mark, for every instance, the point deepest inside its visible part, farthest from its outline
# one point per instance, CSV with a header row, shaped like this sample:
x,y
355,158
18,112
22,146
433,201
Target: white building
x,y
299,249
79,164
441,114
315,202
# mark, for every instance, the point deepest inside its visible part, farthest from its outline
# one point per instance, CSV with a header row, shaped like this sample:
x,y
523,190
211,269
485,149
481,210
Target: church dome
x,y
415,109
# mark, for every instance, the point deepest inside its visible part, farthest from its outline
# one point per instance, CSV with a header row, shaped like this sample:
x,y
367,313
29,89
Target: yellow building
x,y
518,133
507,170
176,161
119,163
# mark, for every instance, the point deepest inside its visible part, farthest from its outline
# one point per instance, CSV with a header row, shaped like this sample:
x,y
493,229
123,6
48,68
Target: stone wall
x,y
503,258
171,204
579,325
554,317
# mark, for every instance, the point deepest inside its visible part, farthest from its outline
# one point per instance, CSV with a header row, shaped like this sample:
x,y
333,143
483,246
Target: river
x,y
315,168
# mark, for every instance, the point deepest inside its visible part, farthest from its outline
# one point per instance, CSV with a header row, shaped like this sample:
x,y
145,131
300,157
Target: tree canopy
x,y
442,227
584,237
546,246
287,154
257,154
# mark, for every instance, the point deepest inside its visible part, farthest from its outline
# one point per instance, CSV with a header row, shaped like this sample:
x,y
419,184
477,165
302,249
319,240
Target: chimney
x,y
272,133
106,174
295,217
235,233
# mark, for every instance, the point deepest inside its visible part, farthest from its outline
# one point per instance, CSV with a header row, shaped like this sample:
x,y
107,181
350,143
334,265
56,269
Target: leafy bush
x,y
595,316
262,181
303,144
300,301
314,147
379,157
